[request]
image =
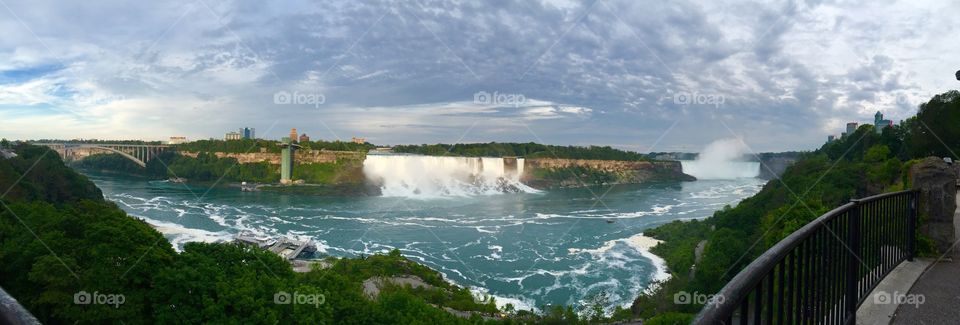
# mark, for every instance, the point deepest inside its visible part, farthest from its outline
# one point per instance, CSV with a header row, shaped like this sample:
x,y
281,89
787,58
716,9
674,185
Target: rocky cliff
x,y
772,165
545,173
302,156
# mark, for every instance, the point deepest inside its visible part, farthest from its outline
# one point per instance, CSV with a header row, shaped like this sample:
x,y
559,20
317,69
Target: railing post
x,y
853,263
911,225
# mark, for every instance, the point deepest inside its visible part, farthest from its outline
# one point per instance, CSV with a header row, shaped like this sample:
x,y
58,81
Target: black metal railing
x,y
821,273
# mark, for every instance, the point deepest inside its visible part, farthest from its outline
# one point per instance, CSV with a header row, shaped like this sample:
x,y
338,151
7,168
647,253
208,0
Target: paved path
x,y
940,290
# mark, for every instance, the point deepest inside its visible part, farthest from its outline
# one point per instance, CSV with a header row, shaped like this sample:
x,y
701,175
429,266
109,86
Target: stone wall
x,y
302,156
937,183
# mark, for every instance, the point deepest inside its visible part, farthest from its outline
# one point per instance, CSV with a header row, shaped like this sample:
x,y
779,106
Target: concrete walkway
x,y
935,297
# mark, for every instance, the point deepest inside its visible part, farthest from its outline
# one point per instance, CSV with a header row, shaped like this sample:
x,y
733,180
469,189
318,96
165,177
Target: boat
x,y
244,187
248,238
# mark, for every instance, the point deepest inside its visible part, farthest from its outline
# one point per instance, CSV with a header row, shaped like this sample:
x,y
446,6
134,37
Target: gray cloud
x,y
596,72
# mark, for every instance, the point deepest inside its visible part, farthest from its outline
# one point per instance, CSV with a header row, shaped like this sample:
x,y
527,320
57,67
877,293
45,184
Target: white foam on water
x,y
518,302
639,242
180,235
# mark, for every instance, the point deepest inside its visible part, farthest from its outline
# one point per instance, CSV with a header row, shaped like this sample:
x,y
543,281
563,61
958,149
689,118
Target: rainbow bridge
x,y
138,153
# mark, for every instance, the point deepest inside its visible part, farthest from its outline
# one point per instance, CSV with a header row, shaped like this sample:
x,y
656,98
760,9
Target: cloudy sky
x,y
636,74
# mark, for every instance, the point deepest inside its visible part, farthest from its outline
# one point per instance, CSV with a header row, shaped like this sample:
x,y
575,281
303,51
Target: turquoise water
x,y
529,249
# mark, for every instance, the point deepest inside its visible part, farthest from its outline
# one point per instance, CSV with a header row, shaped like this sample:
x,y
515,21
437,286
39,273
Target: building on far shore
x,y
248,133
293,135
177,140
852,127
831,137
232,136
879,123
358,140
304,138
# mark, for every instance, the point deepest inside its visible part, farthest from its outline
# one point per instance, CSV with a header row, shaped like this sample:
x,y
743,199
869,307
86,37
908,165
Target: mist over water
x,y
722,159
431,176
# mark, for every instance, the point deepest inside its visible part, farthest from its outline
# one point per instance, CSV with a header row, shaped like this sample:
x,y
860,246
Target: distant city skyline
x,y
641,76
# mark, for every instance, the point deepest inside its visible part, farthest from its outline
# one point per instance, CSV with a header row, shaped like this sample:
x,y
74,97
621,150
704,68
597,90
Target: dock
x,y
290,249
287,248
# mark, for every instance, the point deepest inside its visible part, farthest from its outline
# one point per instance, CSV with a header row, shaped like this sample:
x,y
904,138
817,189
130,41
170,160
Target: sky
x,y
634,74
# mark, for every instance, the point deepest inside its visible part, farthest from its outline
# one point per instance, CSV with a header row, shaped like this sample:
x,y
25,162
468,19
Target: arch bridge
x,y
138,153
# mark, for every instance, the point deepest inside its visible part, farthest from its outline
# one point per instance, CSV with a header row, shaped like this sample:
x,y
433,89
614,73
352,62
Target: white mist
x,y
722,159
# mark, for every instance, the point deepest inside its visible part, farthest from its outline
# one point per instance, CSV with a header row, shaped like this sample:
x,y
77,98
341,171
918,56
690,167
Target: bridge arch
x,y
124,154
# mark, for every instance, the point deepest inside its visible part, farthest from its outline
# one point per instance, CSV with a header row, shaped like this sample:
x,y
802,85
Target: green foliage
x,y
934,130
576,174
37,173
109,162
339,172
528,150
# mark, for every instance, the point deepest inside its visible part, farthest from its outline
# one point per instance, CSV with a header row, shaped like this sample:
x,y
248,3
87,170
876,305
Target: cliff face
x,y
547,173
303,156
772,167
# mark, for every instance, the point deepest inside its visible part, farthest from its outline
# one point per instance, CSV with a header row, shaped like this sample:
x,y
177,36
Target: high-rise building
x,y
358,140
293,135
248,133
830,138
304,138
879,123
852,127
232,136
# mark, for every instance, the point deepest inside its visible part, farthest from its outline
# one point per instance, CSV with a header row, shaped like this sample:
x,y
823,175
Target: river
x,y
525,248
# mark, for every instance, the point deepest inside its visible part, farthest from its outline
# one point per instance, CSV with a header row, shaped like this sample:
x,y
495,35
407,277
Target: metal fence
x,y
821,273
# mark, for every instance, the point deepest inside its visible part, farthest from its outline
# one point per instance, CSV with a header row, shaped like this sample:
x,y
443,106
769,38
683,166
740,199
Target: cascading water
x,y
429,176
722,159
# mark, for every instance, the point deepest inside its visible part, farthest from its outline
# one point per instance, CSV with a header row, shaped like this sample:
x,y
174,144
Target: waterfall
x,y
722,159
430,176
